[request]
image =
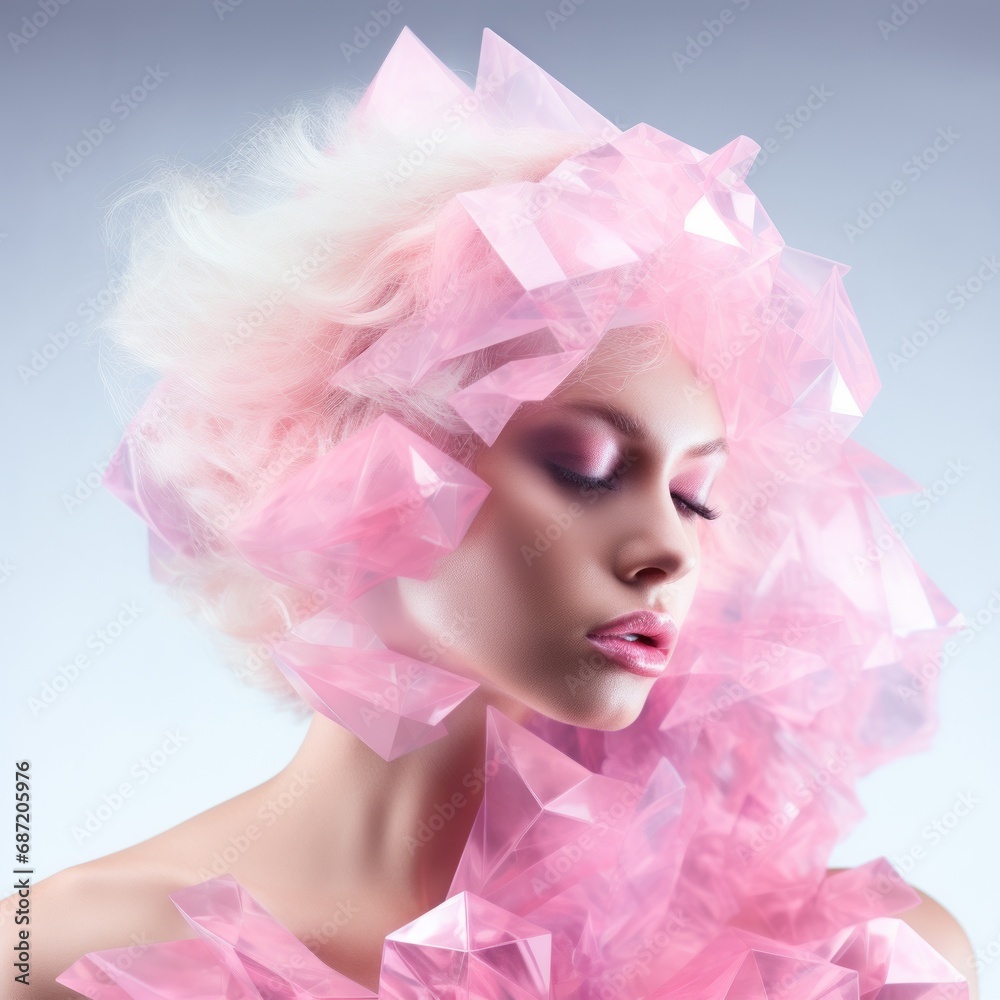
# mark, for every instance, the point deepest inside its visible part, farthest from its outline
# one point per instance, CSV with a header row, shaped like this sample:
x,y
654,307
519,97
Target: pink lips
x,y
647,654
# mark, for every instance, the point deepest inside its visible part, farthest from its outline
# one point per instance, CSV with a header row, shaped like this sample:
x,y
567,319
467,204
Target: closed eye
x,y
688,507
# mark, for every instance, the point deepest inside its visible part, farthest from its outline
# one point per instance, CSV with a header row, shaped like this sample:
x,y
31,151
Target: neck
x,y
369,828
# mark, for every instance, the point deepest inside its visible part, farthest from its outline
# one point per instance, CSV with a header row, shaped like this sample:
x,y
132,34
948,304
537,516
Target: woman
x,y
507,417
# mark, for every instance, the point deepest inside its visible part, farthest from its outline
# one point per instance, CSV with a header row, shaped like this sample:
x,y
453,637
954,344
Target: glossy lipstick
x,y
652,636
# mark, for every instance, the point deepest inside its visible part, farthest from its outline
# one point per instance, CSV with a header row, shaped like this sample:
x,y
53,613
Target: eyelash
x,y
709,513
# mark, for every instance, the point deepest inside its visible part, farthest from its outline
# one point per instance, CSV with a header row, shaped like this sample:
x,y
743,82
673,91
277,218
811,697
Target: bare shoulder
x,y
121,900
939,928
118,901
942,931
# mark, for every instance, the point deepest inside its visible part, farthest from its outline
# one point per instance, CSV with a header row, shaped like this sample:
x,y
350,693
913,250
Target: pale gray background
x,y
69,572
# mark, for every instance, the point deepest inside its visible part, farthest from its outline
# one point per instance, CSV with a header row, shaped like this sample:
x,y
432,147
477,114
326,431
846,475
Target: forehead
x,y
648,379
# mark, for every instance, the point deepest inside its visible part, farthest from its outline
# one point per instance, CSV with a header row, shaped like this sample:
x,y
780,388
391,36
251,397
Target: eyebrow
x,y
628,424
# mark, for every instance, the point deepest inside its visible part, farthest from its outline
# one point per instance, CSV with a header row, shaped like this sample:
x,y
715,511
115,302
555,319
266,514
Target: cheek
x,y
520,542
508,530
682,593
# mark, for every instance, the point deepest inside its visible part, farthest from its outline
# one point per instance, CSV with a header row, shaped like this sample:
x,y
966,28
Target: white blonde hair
x,y
245,285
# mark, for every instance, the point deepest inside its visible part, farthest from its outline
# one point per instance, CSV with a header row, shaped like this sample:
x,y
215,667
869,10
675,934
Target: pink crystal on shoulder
x,y
466,947
241,953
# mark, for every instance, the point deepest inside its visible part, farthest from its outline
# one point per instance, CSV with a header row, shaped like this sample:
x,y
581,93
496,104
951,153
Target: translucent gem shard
x,y
241,953
384,502
467,948
545,823
739,965
392,702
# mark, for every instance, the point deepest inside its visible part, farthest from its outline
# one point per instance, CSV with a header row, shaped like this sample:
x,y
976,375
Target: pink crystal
x,y
393,703
466,948
383,503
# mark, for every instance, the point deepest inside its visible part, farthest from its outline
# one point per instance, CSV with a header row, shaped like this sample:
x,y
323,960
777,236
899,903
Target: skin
x,y
338,857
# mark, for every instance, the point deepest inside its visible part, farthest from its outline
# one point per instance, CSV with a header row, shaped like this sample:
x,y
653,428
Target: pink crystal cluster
x,y
561,892
685,856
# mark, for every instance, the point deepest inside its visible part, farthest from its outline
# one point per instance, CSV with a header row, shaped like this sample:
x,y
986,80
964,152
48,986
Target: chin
x,y
607,713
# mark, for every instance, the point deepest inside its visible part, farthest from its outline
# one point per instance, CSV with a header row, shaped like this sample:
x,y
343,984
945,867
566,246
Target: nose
x,y
658,546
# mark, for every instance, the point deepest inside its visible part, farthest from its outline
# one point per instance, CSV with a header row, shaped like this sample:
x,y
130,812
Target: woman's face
x,y
548,560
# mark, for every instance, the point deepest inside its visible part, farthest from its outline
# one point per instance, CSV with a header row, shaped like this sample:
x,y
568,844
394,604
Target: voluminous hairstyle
x,y
245,284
